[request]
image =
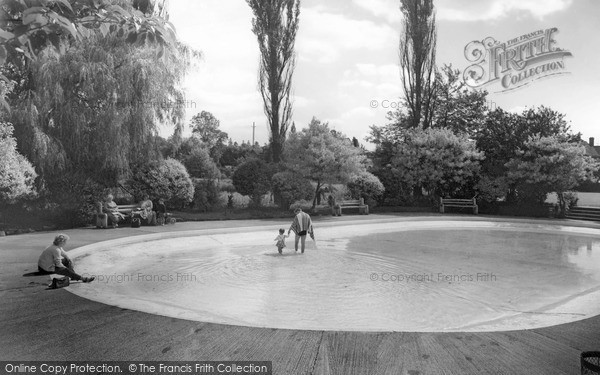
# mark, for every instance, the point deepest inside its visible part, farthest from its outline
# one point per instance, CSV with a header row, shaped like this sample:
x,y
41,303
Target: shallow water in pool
x,y
382,278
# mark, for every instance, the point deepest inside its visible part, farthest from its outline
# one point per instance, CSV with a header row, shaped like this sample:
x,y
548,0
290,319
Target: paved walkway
x,y
41,324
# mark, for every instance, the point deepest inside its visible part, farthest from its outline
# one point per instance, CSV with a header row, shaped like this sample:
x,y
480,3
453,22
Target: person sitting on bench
x,y
145,211
54,259
112,210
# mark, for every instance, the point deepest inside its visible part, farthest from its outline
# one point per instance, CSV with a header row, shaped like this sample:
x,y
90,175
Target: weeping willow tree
x,y
95,108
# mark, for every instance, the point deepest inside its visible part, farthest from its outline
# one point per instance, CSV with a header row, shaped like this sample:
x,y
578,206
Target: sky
x,y
347,70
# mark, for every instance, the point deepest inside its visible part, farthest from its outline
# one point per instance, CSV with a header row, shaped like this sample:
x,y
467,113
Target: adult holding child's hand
x,y
301,225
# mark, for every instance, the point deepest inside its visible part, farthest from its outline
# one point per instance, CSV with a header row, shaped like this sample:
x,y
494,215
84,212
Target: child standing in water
x,y
281,240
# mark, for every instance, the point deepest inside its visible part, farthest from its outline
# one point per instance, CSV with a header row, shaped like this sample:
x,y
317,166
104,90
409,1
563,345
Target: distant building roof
x,y
591,149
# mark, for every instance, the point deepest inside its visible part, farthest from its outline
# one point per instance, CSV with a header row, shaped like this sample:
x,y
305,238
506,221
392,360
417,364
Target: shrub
x,y
531,193
396,191
199,164
252,178
365,185
570,198
73,200
167,179
491,189
207,195
523,210
303,204
436,160
289,187
227,186
566,201
17,175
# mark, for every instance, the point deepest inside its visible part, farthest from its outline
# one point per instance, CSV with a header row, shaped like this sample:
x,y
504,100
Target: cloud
x,y
225,81
517,109
301,101
487,10
468,10
371,81
351,122
386,9
325,36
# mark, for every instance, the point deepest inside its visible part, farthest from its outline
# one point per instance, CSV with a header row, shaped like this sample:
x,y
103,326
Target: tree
x,y
275,25
365,185
457,106
17,175
417,60
550,164
322,156
252,178
289,187
504,133
196,158
206,126
206,194
234,154
97,106
30,26
439,161
167,179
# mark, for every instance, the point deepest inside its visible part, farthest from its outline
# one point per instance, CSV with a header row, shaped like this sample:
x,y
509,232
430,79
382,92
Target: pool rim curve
x,y
578,228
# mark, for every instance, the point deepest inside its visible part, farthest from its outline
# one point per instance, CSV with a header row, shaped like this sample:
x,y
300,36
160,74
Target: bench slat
x,y
457,202
358,203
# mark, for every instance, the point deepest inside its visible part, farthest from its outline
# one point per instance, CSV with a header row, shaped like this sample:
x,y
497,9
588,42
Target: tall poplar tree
x,y
417,60
275,25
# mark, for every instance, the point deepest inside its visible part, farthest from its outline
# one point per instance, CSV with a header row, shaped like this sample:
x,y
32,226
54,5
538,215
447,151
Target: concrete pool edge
x,y
591,304
100,332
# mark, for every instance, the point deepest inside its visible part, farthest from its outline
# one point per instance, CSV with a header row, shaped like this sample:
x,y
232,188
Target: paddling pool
x,y
422,275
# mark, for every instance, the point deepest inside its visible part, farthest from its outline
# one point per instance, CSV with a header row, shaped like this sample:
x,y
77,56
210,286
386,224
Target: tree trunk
x,y
316,194
276,149
562,205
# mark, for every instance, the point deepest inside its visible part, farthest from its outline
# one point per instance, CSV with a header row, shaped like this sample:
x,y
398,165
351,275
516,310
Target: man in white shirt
x,y
54,259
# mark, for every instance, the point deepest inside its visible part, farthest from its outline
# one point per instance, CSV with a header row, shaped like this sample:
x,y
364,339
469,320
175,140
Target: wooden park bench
x,y
125,209
452,202
128,211
357,203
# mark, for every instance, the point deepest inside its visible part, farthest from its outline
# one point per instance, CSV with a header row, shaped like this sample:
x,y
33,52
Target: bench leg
x,y
102,221
441,208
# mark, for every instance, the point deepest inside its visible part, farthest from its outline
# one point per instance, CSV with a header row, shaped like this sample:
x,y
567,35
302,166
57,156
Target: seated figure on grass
x,y
54,259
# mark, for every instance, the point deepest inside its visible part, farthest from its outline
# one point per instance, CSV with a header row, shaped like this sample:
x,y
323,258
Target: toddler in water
x,y
281,240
